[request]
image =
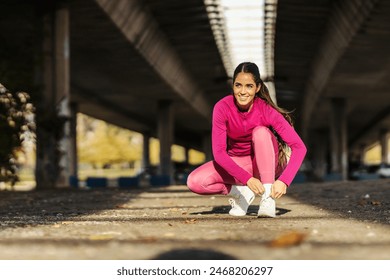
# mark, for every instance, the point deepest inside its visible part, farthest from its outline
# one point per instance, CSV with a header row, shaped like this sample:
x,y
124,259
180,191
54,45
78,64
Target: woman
x,y
250,135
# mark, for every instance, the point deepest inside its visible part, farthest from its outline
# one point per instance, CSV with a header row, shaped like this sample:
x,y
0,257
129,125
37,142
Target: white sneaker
x,y
242,197
267,207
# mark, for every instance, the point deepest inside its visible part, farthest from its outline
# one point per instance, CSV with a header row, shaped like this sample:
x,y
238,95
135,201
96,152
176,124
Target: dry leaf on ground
x,y
190,221
148,239
288,239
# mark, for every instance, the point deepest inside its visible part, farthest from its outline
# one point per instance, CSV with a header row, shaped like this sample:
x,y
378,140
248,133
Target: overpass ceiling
x,y
361,74
111,81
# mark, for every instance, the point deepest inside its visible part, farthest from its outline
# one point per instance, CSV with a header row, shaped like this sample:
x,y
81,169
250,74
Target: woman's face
x,y
244,89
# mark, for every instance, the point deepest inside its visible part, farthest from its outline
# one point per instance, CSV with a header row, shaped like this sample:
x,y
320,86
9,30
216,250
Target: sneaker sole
x,y
243,214
237,215
263,215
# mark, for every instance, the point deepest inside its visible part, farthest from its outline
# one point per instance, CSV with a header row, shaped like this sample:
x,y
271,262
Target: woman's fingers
x,y
255,185
255,190
278,189
261,189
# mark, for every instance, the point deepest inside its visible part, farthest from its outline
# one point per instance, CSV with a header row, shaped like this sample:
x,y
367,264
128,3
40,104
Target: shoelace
x,y
265,202
239,203
232,202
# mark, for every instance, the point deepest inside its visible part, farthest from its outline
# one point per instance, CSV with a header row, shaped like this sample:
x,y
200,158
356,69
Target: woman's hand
x,y
255,185
278,189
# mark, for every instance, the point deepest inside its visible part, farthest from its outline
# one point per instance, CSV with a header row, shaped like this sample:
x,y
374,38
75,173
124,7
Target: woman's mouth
x,y
242,98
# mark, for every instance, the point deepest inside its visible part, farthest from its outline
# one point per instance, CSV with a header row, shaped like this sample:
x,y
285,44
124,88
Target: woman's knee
x,y
261,132
264,140
194,182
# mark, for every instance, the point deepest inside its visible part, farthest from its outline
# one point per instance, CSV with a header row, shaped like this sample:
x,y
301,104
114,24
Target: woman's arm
x,y
288,134
219,145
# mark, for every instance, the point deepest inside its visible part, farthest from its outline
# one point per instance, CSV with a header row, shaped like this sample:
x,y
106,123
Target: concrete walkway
x,y
339,220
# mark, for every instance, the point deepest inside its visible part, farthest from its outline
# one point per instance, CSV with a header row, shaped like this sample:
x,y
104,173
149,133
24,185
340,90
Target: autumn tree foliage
x,y
100,143
16,122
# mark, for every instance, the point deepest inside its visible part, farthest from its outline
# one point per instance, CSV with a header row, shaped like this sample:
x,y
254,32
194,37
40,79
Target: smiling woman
x,y
244,89
249,133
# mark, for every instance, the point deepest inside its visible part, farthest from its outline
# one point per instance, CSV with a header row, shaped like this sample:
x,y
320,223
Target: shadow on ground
x,y
252,211
31,208
193,254
362,200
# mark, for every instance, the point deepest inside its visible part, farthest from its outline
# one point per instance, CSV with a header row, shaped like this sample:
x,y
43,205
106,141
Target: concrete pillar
x,y
319,148
207,149
384,140
73,162
62,92
56,154
187,156
165,132
338,138
146,152
362,153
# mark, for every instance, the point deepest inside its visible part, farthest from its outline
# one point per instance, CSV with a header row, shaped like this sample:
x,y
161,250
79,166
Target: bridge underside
x,y
333,49
119,78
112,80
129,59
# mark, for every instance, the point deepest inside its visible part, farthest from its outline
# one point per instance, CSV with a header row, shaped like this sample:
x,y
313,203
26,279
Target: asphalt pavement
x,y
332,220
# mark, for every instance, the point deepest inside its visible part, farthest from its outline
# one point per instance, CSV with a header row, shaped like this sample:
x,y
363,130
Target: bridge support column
x,y
338,138
319,153
145,152
384,140
207,146
165,133
362,154
187,155
73,158
56,152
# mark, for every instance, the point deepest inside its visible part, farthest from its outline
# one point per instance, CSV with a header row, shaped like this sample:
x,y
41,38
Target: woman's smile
x,y
245,90
243,97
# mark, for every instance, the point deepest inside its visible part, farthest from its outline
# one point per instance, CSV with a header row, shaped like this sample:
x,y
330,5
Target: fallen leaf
x,y
362,202
378,203
148,239
288,239
190,221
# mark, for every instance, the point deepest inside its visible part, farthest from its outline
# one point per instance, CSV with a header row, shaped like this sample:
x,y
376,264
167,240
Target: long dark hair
x,y
250,67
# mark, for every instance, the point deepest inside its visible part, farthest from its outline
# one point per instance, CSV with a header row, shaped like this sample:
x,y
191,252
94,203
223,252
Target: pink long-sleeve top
x,y
232,136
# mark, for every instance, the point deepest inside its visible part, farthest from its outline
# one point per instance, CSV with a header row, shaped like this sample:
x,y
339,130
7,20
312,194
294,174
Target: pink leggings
x,y
211,178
